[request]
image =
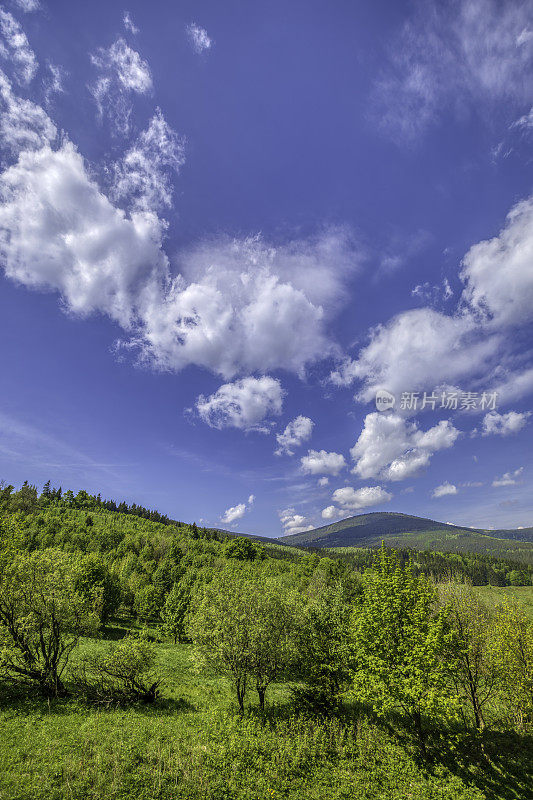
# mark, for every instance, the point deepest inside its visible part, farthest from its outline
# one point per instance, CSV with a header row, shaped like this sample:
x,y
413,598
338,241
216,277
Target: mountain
x,y
364,529
418,533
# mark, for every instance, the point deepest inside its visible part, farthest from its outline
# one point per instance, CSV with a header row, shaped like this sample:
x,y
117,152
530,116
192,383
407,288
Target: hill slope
x,y
419,533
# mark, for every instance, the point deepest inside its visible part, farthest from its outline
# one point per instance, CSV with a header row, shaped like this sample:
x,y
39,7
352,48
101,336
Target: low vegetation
x,y
151,659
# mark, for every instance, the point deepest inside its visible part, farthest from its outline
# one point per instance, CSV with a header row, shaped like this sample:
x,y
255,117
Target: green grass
x,y
495,595
192,746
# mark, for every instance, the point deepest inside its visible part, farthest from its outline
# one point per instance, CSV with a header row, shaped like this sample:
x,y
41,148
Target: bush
x,y
122,674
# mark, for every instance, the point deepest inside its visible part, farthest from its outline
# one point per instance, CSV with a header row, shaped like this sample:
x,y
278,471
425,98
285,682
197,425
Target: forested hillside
x,y
141,657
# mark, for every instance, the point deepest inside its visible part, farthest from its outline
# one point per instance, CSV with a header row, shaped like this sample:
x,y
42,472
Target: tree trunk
x,y
420,732
261,694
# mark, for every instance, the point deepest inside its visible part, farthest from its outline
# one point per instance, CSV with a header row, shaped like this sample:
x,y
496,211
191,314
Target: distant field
x,y
494,595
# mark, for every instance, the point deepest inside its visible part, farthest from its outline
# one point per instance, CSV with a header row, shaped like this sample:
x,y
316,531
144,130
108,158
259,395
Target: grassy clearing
x,y
193,746
495,595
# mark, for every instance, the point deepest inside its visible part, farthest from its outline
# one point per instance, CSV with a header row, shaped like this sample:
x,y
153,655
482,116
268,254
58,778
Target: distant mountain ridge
x,y
365,530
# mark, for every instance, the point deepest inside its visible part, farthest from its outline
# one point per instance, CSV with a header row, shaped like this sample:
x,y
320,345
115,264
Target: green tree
x,y
243,549
94,581
474,673
175,610
147,602
42,616
400,645
512,647
242,627
322,654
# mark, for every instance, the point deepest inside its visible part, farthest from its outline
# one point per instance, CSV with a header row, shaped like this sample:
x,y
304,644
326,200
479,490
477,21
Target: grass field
x,y
192,745
495,595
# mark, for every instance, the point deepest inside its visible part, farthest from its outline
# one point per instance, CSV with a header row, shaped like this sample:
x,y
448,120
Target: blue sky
x,y
225,227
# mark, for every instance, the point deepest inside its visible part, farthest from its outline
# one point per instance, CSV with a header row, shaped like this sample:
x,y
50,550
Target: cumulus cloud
x,y
323,481
122,72
444,489
236,306
15,48
351,499
508,478
498,273
450,56
393,449
233,514
318,462
330,512
243,404
504,424
143,176
242,306
293,522
420,348
199,38
60,232
23,124
237,512
296,432
129,23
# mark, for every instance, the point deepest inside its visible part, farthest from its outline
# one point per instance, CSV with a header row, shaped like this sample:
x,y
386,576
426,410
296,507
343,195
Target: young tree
x,y
400,645
474,672
94,581
322,662
175,610
512,648
242,627
42,616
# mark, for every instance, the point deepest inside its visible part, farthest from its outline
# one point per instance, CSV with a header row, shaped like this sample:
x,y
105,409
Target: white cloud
x,y
331,512
498,274
323,481
15,48
393,449
317,462
54,82
23,124
199,38
242,306
59,232
296,432
515,385
508,478
129,23
234,513
504,424
122,72
243,404
237,512
143,176
28,5
351,499
417,349
293,522
452,56
444,489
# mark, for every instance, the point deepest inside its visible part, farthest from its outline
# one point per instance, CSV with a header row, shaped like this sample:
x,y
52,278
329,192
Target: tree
x,y
174,611
147,602
400,644
242,627
42,616
243,549
475,675
322,656
512,643
94,581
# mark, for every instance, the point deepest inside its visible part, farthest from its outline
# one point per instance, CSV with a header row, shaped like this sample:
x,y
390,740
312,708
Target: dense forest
x,y
269,671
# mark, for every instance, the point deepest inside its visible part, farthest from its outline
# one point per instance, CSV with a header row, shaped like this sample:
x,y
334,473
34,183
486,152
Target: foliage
x,y
42,616
512,649
400,650
123,673
175,610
